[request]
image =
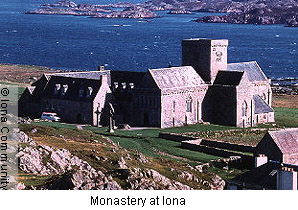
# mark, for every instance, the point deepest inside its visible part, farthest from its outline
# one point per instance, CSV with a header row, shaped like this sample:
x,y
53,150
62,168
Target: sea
x,y
82,43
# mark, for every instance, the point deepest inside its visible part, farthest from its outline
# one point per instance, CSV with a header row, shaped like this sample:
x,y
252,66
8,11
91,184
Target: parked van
x,y
50,116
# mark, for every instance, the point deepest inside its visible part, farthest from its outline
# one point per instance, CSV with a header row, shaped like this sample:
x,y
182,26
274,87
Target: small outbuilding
x,y
281,146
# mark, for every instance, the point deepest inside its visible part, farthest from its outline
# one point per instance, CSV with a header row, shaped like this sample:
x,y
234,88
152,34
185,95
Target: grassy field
x,y
285,101
287,117
147,141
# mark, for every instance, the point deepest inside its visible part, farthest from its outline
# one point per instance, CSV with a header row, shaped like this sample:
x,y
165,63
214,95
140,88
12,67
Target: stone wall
x,y
174,111
205,56
206,142
193,145
175,137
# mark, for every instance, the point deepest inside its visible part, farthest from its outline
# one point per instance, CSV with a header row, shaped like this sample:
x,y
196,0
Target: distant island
x,y
236,11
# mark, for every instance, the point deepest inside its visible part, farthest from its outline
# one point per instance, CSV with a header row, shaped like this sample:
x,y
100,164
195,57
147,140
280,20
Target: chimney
x,y
286,179
101,68
260,160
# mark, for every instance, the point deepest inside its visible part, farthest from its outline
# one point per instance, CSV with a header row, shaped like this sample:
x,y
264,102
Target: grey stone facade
x,y
205,89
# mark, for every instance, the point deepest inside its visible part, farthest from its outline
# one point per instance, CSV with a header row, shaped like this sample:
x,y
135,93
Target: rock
x,y
20,186
34,130
134,12
202,167
217,183
261,16
140,157
74,172
122,163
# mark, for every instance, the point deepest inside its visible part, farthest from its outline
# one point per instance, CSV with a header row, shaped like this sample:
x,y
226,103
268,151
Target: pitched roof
x,y
286,140
228,78
261,106
74,85
262,177
96,75
128,77
183,76
253,70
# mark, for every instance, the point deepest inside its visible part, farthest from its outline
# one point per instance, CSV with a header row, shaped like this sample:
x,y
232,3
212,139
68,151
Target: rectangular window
x,y
174,106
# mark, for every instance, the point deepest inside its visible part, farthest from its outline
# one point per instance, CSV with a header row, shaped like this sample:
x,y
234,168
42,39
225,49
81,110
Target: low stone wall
x,y
175,137
208,143
229,146
195,145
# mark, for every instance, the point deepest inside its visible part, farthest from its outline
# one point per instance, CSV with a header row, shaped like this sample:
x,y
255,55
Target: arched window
x,y
189,105
244,109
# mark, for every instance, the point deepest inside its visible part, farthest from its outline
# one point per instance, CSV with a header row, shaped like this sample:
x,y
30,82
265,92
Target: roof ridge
x,y
254,61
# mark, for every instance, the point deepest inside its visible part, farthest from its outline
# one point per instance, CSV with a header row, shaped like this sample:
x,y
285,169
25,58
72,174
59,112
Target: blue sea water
x,y
68,42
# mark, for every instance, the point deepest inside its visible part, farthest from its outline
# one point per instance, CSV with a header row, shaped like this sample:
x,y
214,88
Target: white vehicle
x,y
50,116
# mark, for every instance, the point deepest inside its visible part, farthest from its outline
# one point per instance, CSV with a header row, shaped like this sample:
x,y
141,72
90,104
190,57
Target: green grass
x,y
287,117
55,124
147,141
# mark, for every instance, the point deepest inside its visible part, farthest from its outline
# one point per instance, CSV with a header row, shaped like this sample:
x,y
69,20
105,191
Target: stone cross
x,y
111,123
97,112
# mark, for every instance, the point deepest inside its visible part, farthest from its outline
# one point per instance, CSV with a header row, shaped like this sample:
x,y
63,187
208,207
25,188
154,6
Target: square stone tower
x,y
206,56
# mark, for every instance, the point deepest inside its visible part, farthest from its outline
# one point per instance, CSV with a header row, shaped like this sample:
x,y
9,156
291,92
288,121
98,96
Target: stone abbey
x,y
206,88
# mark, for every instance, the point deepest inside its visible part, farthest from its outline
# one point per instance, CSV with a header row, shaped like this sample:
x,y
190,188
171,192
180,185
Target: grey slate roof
x,y
228,78
253,70
261,106
286,140
183,76
96,75
262,177
74,85
128,77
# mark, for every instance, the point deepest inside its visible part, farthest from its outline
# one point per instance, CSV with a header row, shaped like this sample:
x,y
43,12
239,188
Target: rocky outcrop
x,y
72,172
240,12
135,12
261,16
62,4
98,11
150,179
